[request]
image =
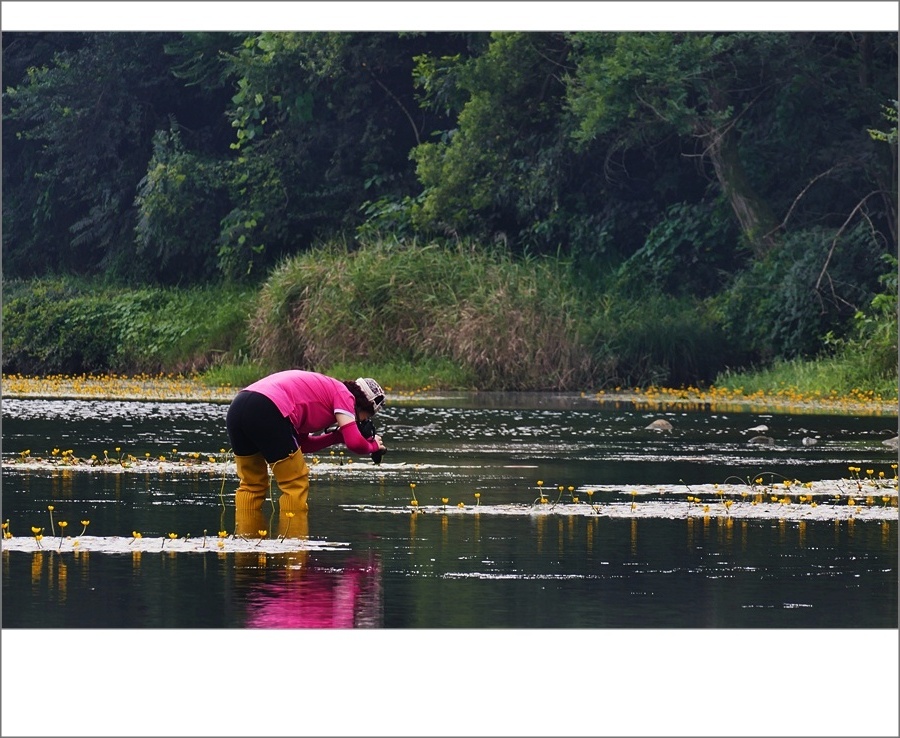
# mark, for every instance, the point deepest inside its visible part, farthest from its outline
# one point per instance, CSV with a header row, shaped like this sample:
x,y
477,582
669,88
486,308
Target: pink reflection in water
x,y
319,598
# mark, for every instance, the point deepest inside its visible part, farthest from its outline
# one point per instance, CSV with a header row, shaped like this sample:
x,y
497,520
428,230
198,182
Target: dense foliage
x,y
748,177
72,326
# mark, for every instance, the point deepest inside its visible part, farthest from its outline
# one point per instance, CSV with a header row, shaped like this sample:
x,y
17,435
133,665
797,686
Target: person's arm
x,y
353,439
311,444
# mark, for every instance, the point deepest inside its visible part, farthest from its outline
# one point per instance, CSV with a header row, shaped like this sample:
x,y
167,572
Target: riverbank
x,y
193,389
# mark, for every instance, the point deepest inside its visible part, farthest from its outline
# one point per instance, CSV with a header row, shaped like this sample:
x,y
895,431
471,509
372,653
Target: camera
x,y
367,430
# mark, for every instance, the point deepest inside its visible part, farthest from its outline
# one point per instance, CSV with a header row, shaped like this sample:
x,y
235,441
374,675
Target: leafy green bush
x,y
687,253
180,202
658,340
870,350
784,305
68,326
56,327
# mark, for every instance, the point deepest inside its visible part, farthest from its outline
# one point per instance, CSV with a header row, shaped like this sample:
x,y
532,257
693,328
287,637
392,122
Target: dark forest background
x,y
747,179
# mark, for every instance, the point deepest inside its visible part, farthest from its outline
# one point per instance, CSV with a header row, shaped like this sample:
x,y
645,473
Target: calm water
x,y
442,571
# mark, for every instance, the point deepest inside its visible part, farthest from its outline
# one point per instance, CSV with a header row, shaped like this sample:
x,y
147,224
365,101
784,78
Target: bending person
x,y
277,419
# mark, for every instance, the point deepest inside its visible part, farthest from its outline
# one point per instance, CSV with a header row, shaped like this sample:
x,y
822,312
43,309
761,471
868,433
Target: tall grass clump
x,y
506,323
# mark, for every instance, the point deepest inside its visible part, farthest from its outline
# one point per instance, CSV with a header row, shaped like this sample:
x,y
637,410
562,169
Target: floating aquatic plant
x,y
290,517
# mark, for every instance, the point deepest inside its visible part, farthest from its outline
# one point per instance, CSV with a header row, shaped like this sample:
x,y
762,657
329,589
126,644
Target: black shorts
x,y
256,425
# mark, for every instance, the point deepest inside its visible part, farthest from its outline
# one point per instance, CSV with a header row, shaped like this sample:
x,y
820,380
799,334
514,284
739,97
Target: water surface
x,y
410,570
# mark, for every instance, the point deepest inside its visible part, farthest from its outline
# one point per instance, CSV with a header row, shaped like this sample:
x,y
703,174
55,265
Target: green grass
x,y
433,374
234,375
400,376
821,377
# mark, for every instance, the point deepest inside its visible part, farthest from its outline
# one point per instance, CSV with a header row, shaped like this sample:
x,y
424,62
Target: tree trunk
x,y
753,214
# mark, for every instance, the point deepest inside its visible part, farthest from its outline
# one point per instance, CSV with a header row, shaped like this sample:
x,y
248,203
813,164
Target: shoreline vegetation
x,y
427,318
197,388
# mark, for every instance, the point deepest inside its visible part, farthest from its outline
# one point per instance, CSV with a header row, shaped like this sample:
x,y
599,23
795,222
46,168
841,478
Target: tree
x,y
322,122
82,123
770,113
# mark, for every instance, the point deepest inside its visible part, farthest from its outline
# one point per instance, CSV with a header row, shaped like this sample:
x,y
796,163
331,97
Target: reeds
x,y
508,323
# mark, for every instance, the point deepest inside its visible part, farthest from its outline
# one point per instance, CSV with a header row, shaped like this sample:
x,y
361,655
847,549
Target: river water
x,y
596,594
429,567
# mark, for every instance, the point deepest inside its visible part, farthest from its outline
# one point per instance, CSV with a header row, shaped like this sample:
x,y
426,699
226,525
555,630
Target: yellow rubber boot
x,y
292,476
253,472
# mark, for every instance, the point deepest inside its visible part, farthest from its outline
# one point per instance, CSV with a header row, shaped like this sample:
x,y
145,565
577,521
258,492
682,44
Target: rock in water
x,y
891,442
808,441
762,441
660,424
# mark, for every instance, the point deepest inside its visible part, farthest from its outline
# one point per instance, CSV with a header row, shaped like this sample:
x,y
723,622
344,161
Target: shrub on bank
x,y
415,316
508,324
70,326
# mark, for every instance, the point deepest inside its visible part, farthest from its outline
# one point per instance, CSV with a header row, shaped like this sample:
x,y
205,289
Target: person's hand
x,y
379,442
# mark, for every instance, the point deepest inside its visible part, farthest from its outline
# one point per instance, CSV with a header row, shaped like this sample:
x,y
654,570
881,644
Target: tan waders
x,y
292,475
253,473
